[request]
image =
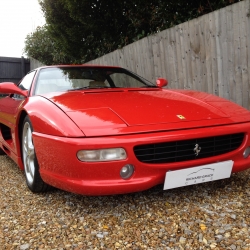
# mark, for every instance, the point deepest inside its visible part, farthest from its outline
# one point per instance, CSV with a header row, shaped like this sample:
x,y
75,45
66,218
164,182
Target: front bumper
x,y
60,167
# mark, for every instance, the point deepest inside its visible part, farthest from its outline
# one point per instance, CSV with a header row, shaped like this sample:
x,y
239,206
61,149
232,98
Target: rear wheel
x,y
31,167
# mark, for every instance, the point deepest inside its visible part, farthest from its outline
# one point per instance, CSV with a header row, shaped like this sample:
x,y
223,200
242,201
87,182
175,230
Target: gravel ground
x,y
213,215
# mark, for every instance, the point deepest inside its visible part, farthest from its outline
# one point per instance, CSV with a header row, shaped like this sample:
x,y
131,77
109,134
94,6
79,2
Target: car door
x,y
9,109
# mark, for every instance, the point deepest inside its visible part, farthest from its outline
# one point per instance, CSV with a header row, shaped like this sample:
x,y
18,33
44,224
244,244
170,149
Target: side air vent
x,y
6,132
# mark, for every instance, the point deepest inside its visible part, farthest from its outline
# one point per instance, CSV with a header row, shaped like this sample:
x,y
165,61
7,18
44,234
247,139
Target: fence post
x,y
22,66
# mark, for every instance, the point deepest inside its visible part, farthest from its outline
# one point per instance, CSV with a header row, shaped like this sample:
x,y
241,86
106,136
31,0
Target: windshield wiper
x,y
149,86
87,87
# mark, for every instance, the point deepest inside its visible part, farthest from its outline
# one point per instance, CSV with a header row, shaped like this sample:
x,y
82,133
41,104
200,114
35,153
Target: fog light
x,y
246,152
127,171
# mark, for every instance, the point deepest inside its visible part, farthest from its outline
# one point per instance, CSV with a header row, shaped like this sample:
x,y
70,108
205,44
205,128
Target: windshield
x,y
75,78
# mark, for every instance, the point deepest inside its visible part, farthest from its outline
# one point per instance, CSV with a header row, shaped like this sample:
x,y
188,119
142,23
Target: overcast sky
x,y
18,18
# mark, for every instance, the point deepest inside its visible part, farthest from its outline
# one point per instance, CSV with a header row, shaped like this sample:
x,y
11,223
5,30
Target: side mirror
x,y
161,82
11,88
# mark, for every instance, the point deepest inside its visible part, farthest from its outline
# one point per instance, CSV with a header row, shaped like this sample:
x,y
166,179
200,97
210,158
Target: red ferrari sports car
x,y
99,130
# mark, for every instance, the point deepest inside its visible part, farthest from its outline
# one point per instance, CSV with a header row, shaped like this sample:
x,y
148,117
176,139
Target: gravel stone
x,y
219,238
99,235
233,216
182,240
212,215
24,247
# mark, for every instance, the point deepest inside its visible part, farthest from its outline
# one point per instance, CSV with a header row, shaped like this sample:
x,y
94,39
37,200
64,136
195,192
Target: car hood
x,y
107,112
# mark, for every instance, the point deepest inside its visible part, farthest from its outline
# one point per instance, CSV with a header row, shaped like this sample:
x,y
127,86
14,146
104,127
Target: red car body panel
x,y
101,179
66,122
99,113
50,121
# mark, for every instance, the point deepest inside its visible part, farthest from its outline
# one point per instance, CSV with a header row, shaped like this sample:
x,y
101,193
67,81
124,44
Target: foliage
x,y
85,30
41,46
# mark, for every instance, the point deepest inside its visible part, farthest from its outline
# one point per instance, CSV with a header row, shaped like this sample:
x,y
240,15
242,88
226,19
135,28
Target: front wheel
x,y
31,167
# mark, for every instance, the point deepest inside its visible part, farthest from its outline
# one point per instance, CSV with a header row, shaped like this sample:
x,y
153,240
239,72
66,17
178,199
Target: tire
x,y
31,166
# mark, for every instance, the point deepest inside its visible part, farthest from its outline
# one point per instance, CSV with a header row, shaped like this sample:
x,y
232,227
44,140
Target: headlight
x,y
110,154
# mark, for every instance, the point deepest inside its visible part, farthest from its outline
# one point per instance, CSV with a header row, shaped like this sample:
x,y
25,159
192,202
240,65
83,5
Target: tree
x,y
87,29
40,45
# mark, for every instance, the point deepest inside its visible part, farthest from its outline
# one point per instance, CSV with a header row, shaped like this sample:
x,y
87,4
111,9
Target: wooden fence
x,y
35,64
210,53
13,69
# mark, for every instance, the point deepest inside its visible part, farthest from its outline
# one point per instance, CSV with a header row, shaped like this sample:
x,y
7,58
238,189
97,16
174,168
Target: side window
x,y
25,84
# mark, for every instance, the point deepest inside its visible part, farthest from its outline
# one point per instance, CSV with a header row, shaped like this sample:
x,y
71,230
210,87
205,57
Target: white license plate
x,y
199,174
